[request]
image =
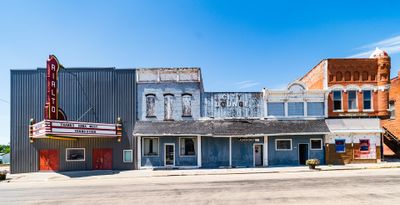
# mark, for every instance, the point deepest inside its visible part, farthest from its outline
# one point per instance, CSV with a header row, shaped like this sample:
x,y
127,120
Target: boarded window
x,y
367,100
315,108
168,109
296,109
340,145
75,154
283,144
352,100
186,105
150,105
337,100
364,145
276,109
316,144
187,146
150,146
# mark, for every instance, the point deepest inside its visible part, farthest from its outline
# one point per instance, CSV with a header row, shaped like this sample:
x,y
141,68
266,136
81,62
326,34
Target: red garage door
x,y
102,158
48,160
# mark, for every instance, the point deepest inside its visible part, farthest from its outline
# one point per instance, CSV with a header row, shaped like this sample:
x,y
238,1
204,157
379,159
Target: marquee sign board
x,y
74,129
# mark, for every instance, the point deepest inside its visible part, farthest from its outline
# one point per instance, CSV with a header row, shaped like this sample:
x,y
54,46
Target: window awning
x,y
354,125
226,128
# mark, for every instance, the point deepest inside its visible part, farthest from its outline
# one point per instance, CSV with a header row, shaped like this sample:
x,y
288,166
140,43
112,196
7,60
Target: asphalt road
x,y
381,186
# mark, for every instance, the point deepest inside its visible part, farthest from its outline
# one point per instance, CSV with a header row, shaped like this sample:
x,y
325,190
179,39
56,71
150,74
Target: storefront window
x,y
150,146
337,100
316,144
276,109
283,144
364,145
340,145
296,109
187,146
128,155
75,154
367,100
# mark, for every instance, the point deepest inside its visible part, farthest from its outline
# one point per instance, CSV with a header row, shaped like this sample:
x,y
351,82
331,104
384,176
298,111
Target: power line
x,y
4,101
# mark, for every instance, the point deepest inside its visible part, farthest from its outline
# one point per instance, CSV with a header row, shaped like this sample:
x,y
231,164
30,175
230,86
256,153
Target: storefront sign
x,y
249,139
52,111
358,114
74,129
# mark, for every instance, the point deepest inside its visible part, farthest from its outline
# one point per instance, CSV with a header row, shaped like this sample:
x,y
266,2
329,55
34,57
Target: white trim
x,y
158,147
265,151
298,152
230,151
320,139
139,152
276,145
165,156
123,155
78,148
254,156
199,151
195,146
371,101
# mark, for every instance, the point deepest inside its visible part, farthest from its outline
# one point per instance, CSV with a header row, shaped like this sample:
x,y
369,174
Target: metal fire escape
x,y
391,141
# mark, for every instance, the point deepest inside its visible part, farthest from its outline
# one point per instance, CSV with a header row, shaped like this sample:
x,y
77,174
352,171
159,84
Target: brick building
x,y
358,88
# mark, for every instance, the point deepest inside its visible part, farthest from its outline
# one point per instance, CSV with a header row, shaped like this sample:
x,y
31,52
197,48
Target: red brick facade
x,y
353,75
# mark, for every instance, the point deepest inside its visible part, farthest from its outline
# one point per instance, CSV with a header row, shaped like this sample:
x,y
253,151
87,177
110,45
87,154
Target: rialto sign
x,y
55,124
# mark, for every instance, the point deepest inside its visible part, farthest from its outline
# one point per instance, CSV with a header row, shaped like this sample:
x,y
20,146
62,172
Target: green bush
x,y
314,162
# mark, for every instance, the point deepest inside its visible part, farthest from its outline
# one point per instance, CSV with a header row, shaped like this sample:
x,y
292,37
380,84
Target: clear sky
x,y
239,45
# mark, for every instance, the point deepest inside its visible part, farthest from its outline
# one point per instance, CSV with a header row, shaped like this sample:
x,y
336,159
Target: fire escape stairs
x,y
391,141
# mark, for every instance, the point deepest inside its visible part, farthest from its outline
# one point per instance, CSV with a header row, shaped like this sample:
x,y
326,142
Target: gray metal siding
x,y
103,94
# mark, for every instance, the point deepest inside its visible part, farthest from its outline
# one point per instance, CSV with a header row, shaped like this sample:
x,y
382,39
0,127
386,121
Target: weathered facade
x,y
98,95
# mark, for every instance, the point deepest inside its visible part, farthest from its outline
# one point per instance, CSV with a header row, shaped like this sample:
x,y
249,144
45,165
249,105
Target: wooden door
x,y
49,160
102,159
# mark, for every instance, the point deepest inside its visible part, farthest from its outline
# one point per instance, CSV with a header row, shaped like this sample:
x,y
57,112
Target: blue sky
x,y
240,45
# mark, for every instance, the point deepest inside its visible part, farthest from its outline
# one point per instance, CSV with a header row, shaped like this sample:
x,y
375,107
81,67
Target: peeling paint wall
x,y
232,104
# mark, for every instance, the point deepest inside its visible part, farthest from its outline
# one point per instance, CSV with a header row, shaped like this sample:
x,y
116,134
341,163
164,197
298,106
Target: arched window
x,y
186,105
150,105
356,76
330,78
365,76
168,109
347,76
339,76
373,76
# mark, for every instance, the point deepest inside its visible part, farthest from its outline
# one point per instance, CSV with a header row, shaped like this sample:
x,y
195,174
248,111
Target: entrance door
x,y
169,154
48,160
102,159
303,153
258,155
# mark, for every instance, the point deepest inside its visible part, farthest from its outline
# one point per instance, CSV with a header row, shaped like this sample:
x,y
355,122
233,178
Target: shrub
x,y
313,162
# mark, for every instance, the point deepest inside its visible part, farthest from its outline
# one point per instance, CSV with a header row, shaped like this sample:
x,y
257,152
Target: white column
x,y
286,108
230,151
305,108
265,151
139,152
199,151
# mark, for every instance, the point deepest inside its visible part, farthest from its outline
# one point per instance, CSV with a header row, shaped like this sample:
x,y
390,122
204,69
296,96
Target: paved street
x,y
328,187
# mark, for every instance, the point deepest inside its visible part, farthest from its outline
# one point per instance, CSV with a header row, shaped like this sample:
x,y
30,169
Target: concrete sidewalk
x,y
114,174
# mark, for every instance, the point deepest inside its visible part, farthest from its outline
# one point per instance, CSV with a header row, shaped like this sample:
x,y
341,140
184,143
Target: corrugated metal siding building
x,y
85,94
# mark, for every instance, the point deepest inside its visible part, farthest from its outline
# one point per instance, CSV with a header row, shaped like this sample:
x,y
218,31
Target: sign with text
x,y
52,111
74,129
